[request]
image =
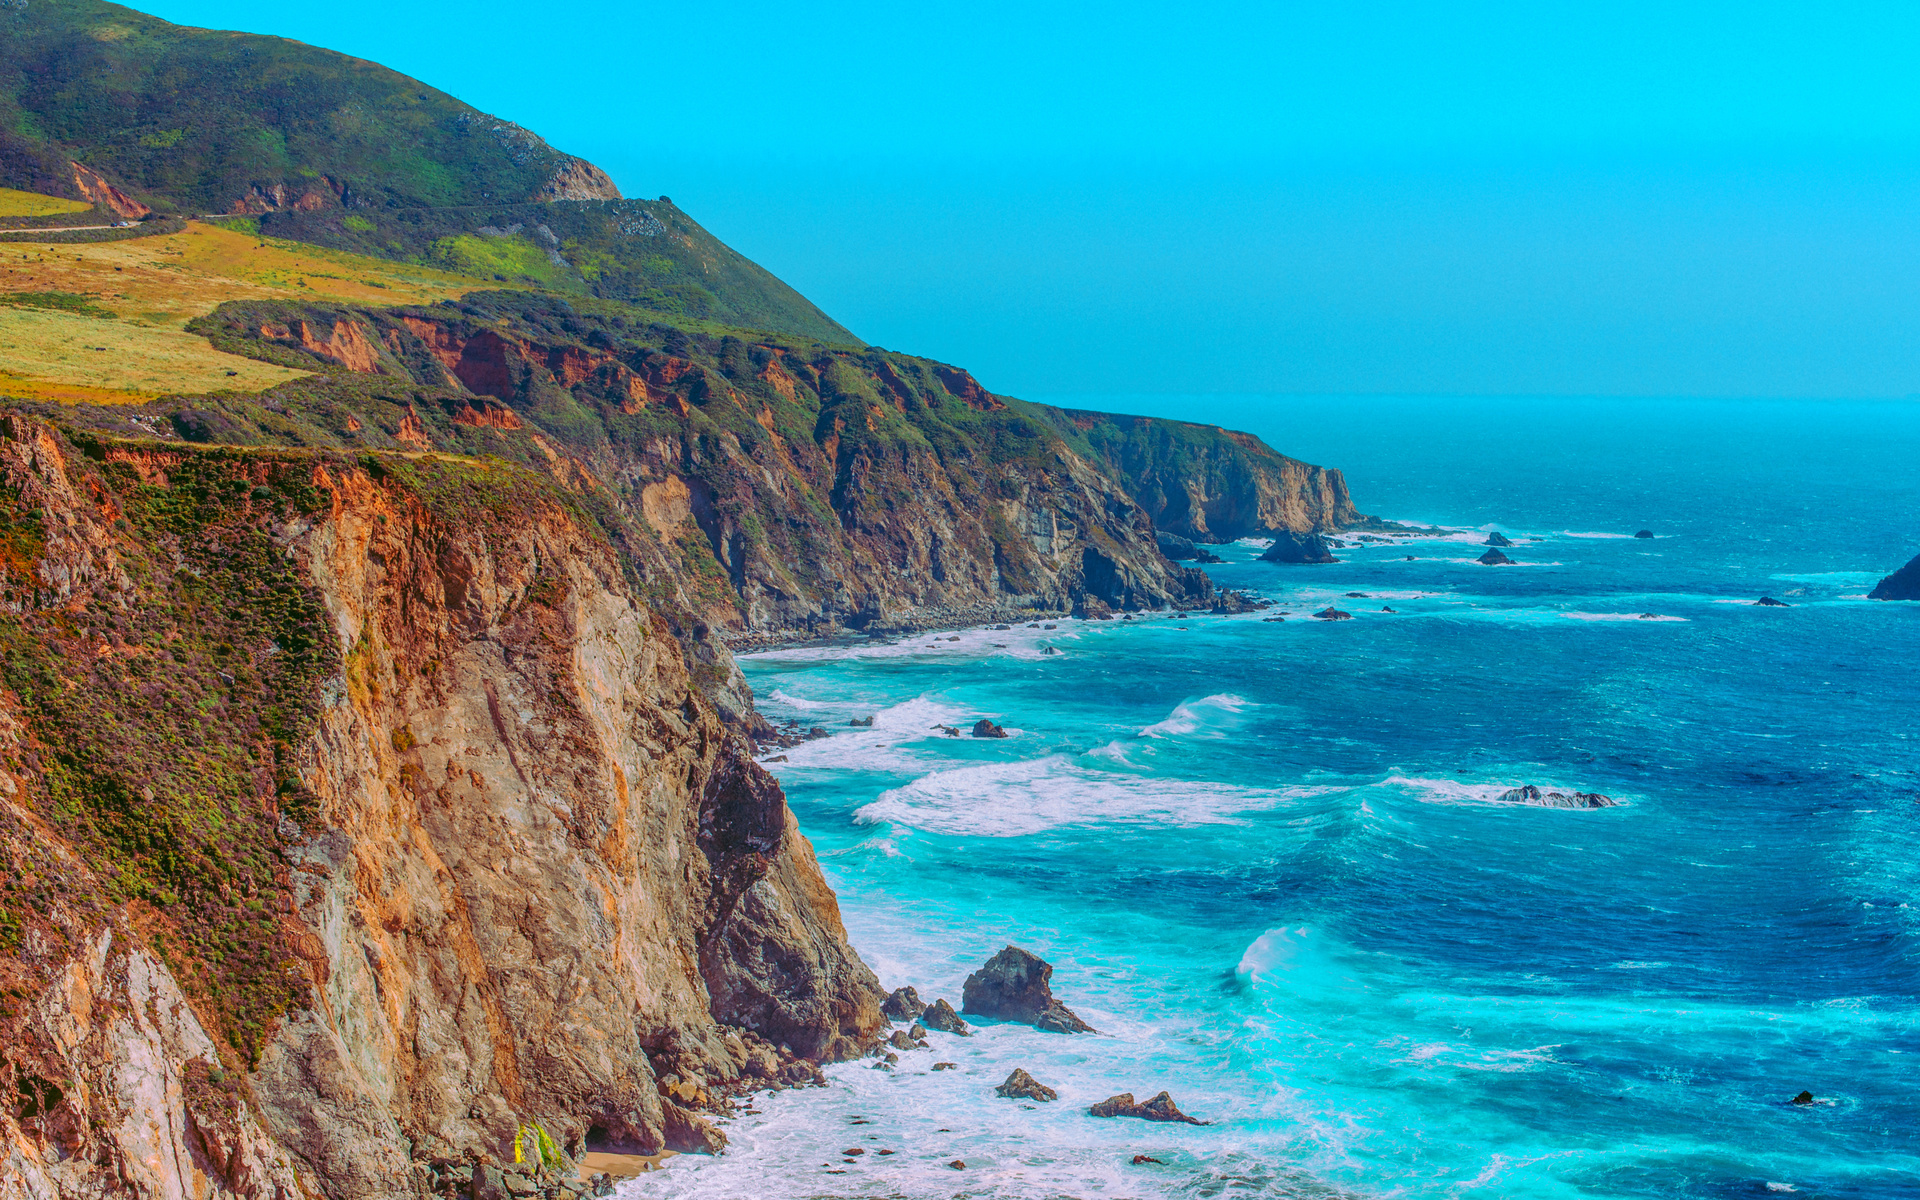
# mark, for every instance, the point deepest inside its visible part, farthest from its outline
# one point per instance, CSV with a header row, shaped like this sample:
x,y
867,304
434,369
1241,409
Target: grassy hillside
x,y
102,105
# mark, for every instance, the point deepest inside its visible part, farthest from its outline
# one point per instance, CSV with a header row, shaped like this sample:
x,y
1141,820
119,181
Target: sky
x,y
1503,199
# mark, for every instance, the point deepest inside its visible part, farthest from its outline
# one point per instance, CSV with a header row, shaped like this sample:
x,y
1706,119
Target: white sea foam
x,y
778,696
1454,791
1594,616
1595,536
895,741
1208,717
1020,798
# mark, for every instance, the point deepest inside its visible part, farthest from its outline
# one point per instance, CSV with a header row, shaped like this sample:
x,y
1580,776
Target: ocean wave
x,y
888,744
778,696
1208,717
1022,798
1594,535
1594,616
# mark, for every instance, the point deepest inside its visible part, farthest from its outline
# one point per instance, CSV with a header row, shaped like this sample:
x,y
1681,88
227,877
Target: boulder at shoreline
x,y
1014,986
1022,1086
904,1004
1299,548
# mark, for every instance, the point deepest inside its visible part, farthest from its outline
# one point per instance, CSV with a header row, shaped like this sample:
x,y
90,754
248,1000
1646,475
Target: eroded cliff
x,y
358,809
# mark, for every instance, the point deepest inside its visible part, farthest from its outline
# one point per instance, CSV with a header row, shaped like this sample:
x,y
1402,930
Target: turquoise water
x,y
1266,864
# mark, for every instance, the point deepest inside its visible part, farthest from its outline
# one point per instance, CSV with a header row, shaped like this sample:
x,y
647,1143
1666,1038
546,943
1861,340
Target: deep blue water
x,y
1265,859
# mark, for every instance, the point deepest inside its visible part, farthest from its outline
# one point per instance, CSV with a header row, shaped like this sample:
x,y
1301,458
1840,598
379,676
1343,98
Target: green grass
x,y
65,302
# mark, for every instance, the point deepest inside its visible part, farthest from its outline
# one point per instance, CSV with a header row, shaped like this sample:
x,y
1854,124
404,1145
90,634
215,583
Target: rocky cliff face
x,y
1211,484
786,486
355,810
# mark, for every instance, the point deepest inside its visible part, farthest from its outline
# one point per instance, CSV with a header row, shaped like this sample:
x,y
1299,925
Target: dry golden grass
x,y
33,204
155,286
61,356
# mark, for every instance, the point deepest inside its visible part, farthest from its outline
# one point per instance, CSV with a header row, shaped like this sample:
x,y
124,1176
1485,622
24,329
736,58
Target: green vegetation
x,y
339,152
31,204
65,302
162,719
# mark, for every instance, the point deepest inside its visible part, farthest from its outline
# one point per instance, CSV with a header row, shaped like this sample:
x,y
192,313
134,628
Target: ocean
x,y
1267,863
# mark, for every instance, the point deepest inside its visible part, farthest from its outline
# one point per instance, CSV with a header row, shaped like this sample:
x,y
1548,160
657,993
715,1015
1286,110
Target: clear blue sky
x,y
1647,199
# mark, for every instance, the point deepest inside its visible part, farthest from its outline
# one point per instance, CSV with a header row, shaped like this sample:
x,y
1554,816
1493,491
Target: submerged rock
x,y
1140,1159
1494,558
1160,1108
1014,986
1770,602
1644,533
1332,614
946,1066
1497,538
1022,1086
903,1004
1291,547
984,728
1903,584
1543,799
862,722
940,1015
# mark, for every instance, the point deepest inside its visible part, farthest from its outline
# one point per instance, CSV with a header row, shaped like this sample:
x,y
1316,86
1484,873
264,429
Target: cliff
x,y
1210,484
1903,584
772,485
355,810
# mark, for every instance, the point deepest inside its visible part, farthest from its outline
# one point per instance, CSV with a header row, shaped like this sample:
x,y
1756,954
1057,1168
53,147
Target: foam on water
x,y
1268,862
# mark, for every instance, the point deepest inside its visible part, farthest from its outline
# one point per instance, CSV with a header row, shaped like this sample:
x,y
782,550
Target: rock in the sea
x,y
1358,596
1160,1108
1332,614
1141,1159
904,1004
1388,608
1903,584
900,1039
958,1164
863,722
1049,650
1770,602
1544,799
1014,986
1174,546
1022,1086
1496,538
1494,558
1299,548
987,729
1644,533
940,1015
918,1032
1803,1098
946,1066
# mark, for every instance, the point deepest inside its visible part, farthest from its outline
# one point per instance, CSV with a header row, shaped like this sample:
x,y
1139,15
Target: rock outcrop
x,y
1546,799
941,1015
1015,985
1160,1108
1644,534
1493,558
903,1004
1496,538
435,834
1290,547
1770,602
984,728
1022,1086
1332,614
1903,584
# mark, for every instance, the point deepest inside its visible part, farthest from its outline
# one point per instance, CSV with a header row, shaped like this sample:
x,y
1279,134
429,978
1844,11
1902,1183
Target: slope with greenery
x,y
103,104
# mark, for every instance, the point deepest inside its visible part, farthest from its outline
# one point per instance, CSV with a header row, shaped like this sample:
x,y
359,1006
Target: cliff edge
x,y
356,811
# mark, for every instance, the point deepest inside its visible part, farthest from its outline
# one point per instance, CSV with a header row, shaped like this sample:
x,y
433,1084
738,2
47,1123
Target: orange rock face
x,y
95,188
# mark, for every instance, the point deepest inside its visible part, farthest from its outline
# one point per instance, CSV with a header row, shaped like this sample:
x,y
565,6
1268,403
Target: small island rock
x,y
1644,533
1022,1086
1493,558
1014,986
984,728
1770,602
1497,538
1291,547
1803,1098
1544,799
1903,584
1160,1108
1332,614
